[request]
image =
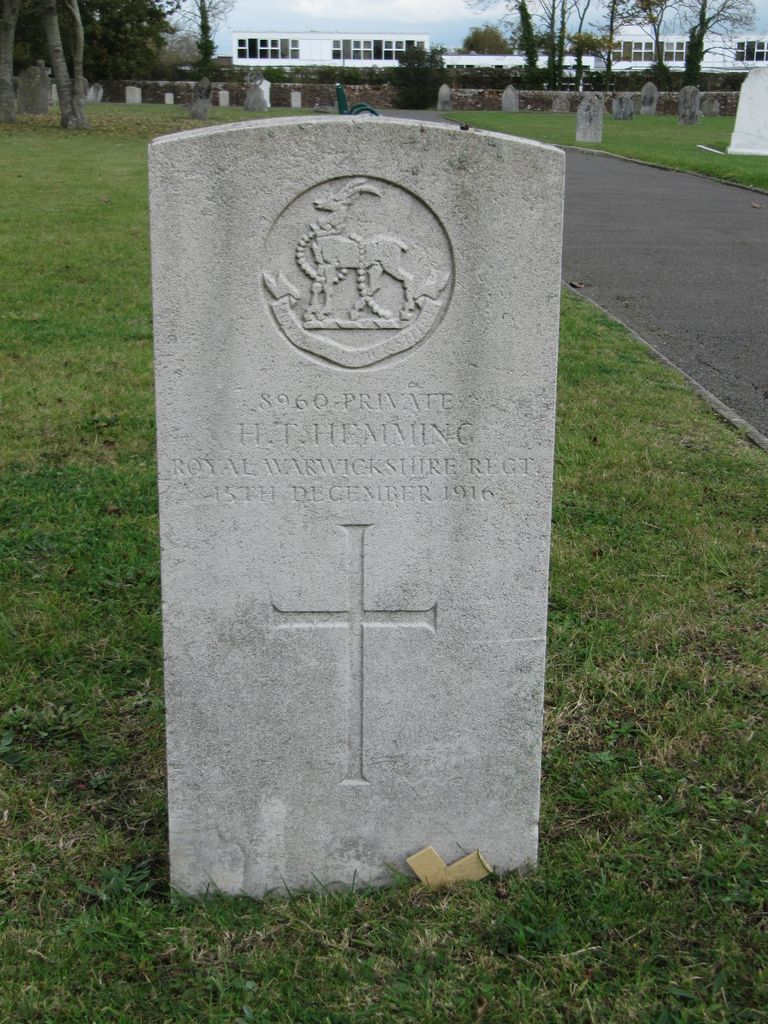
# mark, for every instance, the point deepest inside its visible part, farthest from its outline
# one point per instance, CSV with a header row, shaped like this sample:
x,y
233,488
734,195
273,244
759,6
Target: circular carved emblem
x,y
358,270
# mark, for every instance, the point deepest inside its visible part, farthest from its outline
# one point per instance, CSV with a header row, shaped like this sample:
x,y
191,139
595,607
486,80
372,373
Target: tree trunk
x,y
58,61
78,81
8,17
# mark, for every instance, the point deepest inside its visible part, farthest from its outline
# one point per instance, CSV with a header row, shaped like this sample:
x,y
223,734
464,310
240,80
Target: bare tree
x,y
70,90
9,14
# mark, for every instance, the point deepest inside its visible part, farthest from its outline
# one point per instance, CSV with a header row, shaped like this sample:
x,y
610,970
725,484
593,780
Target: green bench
x,y
358,108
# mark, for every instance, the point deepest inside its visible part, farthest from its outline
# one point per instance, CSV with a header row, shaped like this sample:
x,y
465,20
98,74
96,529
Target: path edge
x,y
724,411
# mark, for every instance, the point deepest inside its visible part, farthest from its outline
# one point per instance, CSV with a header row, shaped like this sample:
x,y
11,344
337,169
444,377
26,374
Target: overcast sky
x,y
446,21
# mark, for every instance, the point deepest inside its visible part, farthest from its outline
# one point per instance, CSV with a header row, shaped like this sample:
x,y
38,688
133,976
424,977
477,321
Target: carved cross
x,y
356,618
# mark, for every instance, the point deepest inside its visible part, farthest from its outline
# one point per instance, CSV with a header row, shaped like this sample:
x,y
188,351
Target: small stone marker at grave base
x,y
510,100
710,106
561,103
623,107
689,105
170,99
295,99
223,97
649,99
444,98
355,457
589,118
132,94
750,133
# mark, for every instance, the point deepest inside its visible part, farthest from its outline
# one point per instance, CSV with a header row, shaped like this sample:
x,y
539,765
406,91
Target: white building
x,y
633,51
304,49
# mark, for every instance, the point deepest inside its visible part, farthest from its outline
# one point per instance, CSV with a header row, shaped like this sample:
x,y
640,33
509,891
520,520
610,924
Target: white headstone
x,y
295,99
510,100
223,97
355,458
750,133
132,94
444,97
170,99
95,94
589,118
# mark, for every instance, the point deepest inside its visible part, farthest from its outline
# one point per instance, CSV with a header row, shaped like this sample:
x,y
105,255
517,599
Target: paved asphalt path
x,y
681,260
684,262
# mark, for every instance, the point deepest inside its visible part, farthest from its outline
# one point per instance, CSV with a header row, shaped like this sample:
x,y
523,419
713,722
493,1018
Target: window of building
x,y
752,50
377,49
675,51
242,47
388,54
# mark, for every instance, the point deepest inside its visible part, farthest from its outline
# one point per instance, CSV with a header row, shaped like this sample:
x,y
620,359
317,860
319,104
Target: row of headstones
x,y
750,134
589,116
625,105
257,97
35,92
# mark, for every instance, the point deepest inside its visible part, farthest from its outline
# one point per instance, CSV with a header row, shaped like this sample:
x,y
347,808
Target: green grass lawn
x,y
657,140
649,901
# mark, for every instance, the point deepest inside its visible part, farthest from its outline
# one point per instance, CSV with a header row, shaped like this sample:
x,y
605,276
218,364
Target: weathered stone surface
x,y
34,93
637,103
95,93
257,96
132,94
649,98
200,107
356,392
561,103
510,100
295,99
689,105
750,133
622,107
444,98
710,106
589,118
223,97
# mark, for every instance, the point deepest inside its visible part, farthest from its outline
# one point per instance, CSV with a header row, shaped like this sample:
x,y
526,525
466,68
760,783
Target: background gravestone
x,y
223,97
34,92
589,118
561,103
255,98
623,107
510,100
95,93
200,108
444,98
295,99
132,94
649,98
169,98
637,103
750,133
710,106
689,105
356,402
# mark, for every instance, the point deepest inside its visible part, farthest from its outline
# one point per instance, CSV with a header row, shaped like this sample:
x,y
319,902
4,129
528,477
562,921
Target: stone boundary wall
x,y
541,100
382,96
319,95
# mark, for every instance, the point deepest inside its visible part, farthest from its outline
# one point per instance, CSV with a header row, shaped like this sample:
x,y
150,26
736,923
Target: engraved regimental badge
x,y
360,270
